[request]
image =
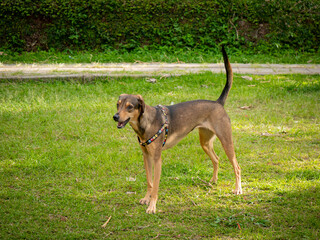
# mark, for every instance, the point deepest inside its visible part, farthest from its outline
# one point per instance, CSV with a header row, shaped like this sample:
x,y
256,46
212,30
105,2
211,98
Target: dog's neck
x,y
142,123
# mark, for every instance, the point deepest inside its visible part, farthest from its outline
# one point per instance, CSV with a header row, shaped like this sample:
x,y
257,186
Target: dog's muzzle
x,y
120,124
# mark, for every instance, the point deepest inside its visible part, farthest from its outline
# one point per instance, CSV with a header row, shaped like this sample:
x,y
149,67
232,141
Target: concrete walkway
x,y
34,71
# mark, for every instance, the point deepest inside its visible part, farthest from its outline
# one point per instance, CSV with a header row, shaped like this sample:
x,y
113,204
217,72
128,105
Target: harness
x,y
164,128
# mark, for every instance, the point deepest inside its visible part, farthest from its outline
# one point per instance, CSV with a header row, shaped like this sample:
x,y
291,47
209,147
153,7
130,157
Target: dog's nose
x,y
116,117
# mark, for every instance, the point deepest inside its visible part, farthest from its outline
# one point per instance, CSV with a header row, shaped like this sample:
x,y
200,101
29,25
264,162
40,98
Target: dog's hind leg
x,y
206,140
223,132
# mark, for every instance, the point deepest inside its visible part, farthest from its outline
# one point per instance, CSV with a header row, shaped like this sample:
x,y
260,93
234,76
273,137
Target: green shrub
x,y
261,25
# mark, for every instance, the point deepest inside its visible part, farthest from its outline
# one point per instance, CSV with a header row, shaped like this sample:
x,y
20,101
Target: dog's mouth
x,y
123,124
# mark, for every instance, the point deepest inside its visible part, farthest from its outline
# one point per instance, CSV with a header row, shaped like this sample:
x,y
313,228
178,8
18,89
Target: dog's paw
x,y
152,208
238,191
145,201
213,180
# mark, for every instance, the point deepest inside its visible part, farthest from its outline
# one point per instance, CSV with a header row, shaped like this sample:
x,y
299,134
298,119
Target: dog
x,y
161,127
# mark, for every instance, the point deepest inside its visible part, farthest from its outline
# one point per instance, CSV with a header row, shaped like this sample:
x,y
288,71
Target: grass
x,y
65,168
142,55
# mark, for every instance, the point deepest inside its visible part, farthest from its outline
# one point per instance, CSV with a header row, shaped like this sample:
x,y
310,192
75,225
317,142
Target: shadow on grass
x,y
282,215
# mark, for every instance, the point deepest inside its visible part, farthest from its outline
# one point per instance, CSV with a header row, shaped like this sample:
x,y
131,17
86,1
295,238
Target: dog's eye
x,y
117,105
130,108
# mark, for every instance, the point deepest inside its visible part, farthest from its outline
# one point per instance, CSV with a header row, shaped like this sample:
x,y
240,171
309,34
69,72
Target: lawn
x,y
65,168
162,55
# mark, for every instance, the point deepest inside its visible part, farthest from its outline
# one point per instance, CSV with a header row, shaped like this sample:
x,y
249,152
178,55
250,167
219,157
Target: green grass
x,y
65,167
142,55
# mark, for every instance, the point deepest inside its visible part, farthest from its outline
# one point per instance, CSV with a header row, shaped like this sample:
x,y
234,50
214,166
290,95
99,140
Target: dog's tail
x,y
227,87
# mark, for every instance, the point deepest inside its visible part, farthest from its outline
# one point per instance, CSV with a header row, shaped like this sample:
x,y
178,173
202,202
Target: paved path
x,y
33,71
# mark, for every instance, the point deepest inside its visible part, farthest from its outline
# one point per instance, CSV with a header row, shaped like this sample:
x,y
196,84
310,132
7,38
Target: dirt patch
x,y
37,39
253,32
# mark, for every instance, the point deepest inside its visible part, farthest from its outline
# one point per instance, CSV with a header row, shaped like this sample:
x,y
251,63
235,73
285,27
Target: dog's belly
x,y
172,140
176,137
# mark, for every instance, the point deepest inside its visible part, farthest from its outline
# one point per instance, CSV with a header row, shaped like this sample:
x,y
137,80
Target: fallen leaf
x,y
266,134
129,193
151,80
239,226
165,75
105,224
131,179
63,218
247,78
246,107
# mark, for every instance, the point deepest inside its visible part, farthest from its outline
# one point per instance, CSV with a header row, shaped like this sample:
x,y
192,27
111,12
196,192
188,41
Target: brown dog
x,y
159,128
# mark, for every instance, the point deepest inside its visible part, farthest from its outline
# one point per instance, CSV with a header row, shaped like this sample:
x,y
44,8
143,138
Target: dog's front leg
x,y
148,166
156,182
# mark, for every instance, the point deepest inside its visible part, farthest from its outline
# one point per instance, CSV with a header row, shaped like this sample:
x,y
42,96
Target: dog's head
x,y
129,108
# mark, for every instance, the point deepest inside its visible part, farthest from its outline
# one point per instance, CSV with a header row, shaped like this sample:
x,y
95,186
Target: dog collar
x,y
164,128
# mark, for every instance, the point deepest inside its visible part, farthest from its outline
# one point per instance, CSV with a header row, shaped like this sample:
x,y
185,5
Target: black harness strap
x,y
164,128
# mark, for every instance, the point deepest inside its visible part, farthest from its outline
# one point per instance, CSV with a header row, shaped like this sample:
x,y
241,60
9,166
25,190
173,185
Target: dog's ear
x,y
122,95
141,102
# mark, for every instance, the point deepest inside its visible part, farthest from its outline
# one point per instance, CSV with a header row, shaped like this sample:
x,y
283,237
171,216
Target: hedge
x,y
31,25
